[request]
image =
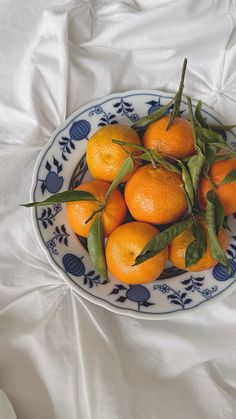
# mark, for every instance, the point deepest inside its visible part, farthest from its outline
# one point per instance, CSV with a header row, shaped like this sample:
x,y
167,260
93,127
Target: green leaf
x,y
126,167
218,209
225,156
212,226
188,184
197,247
208,136
166,164
210,154
154,116
195,166
178,96
120,142
198,115
150,155
190,109
217,152
161,240
221,127
67,196
230,177
96,247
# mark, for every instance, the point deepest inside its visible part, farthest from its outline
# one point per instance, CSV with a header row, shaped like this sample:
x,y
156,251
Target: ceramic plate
x,y
62,165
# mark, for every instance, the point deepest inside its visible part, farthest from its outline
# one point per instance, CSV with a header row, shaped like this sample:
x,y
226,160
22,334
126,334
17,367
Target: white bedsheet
x,y
61,356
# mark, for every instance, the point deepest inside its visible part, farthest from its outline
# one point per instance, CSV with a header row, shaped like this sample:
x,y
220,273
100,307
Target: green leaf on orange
x,y
95,244
229,178
213,222
197,248
198,115
61,197
161,240
126,168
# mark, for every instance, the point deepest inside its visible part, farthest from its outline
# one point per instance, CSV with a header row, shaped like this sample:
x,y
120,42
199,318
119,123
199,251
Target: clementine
x,y
104,157
124,245
155,195
177,141
179,245
226,193
112,215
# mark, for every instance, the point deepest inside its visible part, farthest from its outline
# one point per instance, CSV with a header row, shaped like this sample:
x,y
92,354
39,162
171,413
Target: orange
x,y
79,211
124,245
178,247
177,141
226,193
155,195
104,157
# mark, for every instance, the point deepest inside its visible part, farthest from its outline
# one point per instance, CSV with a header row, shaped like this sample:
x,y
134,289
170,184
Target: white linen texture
x,y
60,355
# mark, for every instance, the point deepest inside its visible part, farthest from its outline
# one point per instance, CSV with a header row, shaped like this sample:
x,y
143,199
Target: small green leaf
x,y
67,196
120,142
208,136
221,127
96,247
154,116
126,167
218,209
198,115
197,247
188,184
216,250
190,109
195,166
225,156
178,97
151,155
230,177
166,164
218,152
161,240
210,154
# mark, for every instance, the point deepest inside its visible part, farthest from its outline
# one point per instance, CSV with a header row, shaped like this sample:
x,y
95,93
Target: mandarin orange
x,y
124,245
113,214
177,141
155,195
104,157
179,245
226,193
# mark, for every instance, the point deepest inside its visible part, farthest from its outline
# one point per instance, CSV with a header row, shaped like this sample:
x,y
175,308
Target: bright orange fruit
x,y
177,141
104,157
179,245
124,245
226,193
113,214
155,195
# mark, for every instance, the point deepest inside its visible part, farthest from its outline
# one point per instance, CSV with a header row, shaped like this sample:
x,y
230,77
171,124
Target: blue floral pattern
x,y
106,118
62,165
125,108
79,131
52,182
136,293
60,235
48,215
74,265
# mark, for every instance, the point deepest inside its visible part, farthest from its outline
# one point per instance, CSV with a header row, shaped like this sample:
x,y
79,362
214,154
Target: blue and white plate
x,y
61,165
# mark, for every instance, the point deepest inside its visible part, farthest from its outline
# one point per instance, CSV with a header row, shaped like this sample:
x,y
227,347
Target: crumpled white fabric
x,y
60,355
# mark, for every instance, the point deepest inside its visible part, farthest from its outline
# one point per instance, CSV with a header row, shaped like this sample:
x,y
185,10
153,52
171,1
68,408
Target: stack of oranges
x,y
153,196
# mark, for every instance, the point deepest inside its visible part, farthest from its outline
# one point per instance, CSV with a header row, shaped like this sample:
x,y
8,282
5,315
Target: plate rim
x,y
71,284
